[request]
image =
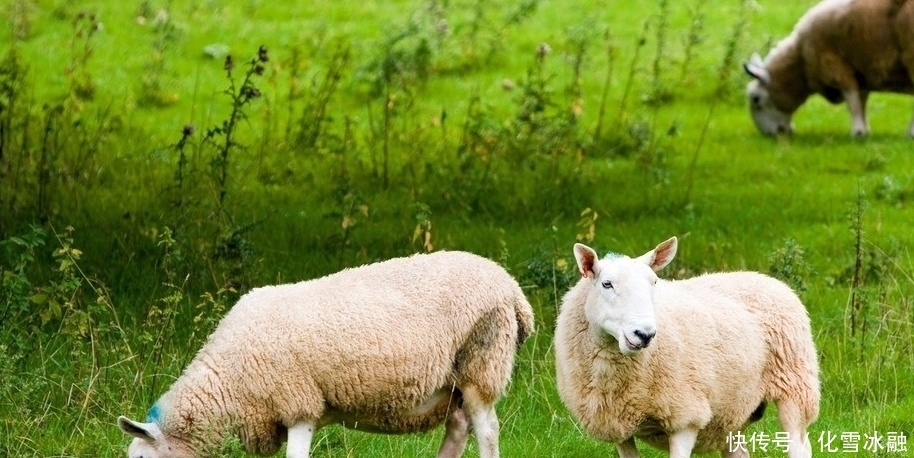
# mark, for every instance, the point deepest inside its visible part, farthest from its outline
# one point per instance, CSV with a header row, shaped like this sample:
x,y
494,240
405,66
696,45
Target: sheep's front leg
x,y
856,103
299,444
911,129
682,442
457,430
628,449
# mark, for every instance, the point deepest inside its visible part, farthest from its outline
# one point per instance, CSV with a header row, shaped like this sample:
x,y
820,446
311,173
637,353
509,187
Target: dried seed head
x,y
229,63
262,54
250,92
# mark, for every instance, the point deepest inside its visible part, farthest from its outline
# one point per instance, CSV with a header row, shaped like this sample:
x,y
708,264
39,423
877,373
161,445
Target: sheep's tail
x,y
524,314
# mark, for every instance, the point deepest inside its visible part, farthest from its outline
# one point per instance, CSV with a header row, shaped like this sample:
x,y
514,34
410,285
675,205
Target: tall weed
x,y
85,26
158,76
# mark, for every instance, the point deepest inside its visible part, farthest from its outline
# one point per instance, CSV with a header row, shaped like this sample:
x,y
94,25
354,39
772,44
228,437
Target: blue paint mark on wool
x,y
154,412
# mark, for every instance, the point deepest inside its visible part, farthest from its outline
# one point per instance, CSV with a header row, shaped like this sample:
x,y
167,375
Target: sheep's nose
x,y
645,337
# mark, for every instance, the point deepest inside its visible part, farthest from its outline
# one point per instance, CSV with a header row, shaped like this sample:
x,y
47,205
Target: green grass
x,y
97,321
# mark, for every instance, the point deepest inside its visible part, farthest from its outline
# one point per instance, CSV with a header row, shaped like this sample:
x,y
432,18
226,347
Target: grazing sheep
x,y
842,49
393,347
682,365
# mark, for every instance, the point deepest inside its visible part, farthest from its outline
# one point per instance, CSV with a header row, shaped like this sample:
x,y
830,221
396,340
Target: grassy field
x,y
146,182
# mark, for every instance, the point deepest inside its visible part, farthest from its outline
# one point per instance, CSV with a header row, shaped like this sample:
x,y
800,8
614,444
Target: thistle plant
x,y
222,137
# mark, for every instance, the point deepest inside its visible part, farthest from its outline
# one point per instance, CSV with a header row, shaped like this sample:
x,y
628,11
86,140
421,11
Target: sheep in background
x,y
393,347
682,365
841,49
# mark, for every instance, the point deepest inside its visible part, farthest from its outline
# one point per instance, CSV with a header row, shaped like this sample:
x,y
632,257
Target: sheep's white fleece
x,y
725,342
365,347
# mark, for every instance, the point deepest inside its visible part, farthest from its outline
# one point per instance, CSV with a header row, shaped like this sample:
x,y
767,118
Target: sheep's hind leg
x,y
734,452
457,430
299,443
856,103
682,442
484,422
794,423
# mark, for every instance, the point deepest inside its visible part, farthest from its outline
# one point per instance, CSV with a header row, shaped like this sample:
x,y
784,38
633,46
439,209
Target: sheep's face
x,y
767,117
150,442
621,302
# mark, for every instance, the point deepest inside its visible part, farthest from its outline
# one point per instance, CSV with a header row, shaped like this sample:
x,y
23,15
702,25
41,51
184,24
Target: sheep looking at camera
x,y
684,364
393,347
841,49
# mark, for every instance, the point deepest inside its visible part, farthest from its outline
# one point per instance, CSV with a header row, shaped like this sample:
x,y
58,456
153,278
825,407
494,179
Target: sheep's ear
x,y
756,60
587,259
135,428
659,257
756,69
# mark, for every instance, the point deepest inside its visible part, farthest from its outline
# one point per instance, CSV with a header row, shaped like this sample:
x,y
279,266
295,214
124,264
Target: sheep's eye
x,y
607,284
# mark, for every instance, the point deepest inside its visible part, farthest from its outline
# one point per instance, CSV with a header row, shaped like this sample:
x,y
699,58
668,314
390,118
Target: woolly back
x,y
368,329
